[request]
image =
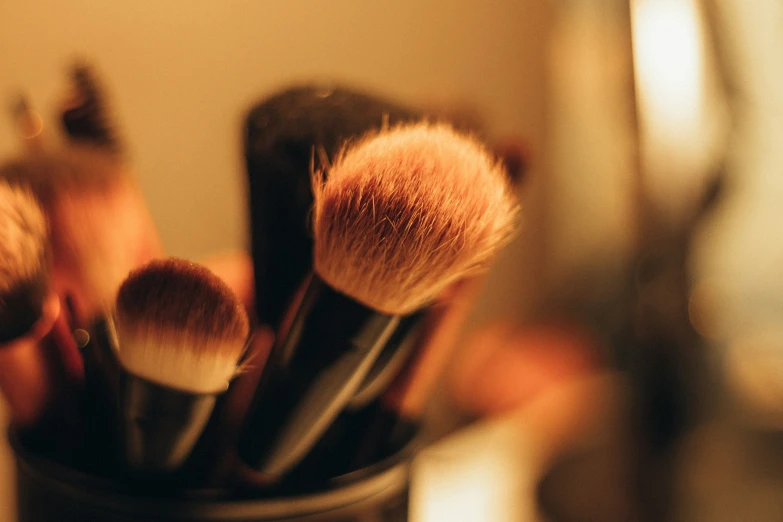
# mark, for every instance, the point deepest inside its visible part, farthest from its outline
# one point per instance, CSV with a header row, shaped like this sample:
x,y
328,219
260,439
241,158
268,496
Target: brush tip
x,y
181,325
23,260
407,211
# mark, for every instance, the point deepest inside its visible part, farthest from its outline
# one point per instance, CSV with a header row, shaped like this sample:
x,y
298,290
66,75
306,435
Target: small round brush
x,y
403,213
181,332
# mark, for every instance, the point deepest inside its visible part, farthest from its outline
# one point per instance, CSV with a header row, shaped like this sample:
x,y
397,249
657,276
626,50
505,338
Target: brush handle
x,y
161,424
392,360
321,363
100,396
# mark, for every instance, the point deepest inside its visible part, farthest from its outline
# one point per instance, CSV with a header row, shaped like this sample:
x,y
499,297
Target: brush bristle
x,y
406,212
100,227
72,169
179,325
23,260
87,119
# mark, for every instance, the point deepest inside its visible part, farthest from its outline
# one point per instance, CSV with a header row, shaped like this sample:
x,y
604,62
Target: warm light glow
x,y
479,473
668,46
754,370
668,66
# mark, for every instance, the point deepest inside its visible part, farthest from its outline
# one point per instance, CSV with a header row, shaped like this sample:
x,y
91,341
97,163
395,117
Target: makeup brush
x,y
85,115
181,332
100,227
283,135
37,378
28,308
25,264
403,214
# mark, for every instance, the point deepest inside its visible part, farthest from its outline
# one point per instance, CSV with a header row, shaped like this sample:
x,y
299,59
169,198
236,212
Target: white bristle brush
x,y
181,333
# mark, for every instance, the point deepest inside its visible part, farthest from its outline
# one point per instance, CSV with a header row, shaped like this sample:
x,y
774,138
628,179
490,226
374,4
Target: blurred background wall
x,y
182,75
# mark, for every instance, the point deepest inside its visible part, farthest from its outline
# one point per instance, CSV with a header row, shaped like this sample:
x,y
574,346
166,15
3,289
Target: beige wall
x,y
183,73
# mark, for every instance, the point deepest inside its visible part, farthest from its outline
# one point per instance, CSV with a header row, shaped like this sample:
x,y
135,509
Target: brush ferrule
x,y
314,372
392,359
160,424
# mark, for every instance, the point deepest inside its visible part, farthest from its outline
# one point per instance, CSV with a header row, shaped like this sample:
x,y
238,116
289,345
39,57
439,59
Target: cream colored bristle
x,y
23,232
407,211
179,325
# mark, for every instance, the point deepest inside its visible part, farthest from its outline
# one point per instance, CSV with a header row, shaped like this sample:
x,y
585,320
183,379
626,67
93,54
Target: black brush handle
x,y
392,360
100,396
161,425
313,374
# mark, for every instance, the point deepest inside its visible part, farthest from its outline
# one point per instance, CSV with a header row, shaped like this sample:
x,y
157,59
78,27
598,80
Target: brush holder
x,y
51,491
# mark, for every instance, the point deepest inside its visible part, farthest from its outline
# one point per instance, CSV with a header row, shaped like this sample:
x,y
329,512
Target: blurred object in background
x,y
732,466
480,473
754,375
85,114
490,471
621,231
740,253
580,229
592,175
682,123
682,111
287,135
28,124
100,227
593,187
505,366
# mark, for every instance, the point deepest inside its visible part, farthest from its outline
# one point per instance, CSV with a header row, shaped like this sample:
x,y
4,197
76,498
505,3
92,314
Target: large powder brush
x,y
181,332
406,213
402,214
284,135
